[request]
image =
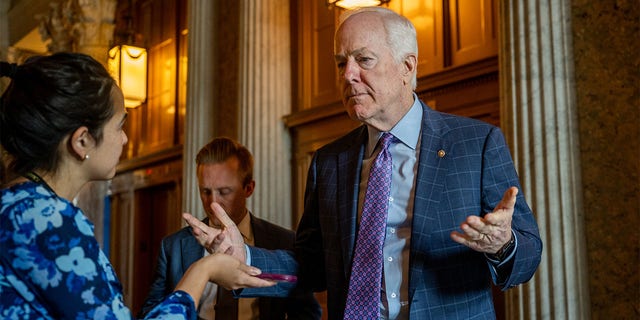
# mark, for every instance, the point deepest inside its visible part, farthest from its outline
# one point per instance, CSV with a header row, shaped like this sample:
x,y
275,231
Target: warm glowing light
x,y
352,4
128,65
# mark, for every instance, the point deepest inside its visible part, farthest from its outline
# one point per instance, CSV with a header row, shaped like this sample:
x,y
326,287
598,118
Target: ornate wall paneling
x,y
145,202
428,17
159,26
316,74
473,26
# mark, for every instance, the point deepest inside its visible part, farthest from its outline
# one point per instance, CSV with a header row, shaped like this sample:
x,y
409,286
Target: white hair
x,y
401,34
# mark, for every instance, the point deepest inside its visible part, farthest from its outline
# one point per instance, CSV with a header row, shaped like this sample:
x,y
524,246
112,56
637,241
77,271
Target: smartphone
x,y
278,277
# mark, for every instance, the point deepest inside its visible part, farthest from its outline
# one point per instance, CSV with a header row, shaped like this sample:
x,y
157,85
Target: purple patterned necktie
x,y
363,299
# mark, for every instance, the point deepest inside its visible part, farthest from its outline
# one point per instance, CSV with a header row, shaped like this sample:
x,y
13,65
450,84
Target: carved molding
x,y
165,155
151,175
458,86
459,76
60,25
79,26
310,115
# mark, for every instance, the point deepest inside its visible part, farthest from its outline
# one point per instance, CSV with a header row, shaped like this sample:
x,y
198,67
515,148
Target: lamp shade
x,y
352,4
128,66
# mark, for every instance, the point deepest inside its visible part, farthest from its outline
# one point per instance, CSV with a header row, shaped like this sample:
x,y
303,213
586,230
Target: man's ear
x,y
410,63
249,188
80,142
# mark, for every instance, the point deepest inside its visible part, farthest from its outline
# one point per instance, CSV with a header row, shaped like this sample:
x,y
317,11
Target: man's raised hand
x,y
225,239
489,233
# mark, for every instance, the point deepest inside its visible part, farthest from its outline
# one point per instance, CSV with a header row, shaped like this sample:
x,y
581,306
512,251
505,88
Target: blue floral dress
x,y
51,266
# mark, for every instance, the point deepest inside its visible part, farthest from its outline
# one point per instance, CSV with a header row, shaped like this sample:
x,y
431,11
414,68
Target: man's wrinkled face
x,y
371,80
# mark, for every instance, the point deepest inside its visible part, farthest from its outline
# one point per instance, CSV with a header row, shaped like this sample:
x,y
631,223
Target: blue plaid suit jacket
x,y
446,280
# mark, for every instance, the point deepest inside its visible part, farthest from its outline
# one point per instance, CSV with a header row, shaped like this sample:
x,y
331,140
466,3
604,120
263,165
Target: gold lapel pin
x,y
441,153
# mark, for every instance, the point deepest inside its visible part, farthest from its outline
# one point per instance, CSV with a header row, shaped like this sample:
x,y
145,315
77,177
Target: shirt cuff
x,y
248,257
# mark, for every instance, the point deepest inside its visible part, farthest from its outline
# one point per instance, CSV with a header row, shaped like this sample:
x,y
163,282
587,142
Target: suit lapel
x,y
431,172
348,174
191,249
429,187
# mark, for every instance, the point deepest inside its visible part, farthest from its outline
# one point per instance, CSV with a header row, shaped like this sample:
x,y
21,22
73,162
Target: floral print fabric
x,y
51,266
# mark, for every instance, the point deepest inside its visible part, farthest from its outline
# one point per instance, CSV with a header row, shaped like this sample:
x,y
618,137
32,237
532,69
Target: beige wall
x,y
607,55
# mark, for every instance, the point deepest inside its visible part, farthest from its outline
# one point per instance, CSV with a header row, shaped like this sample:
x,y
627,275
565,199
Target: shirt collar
x,y
245,228
407,130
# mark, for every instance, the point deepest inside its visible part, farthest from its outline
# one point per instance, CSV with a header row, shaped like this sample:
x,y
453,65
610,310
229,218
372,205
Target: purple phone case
x,y
278,277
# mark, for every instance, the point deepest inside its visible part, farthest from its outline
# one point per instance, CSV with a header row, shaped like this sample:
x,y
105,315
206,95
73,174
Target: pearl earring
x,y
86,156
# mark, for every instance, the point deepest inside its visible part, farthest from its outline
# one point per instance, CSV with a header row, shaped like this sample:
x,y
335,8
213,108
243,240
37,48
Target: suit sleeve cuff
x,y
497,263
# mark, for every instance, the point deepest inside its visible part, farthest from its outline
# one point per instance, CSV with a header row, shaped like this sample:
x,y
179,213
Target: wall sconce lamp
x,y
128,66
352,4
128,63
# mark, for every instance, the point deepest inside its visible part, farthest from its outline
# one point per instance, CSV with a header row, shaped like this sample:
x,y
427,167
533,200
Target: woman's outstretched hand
x,y
224,270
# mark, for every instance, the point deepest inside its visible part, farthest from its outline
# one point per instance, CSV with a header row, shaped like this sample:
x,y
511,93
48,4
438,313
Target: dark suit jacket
x,y
179,250
446,280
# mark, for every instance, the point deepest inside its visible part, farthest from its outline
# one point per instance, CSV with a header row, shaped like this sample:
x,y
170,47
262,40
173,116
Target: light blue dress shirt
x,y
404,153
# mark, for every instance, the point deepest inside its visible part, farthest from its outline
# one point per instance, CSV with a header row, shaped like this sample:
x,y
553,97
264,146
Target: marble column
x,y
200,96
265,98
539,119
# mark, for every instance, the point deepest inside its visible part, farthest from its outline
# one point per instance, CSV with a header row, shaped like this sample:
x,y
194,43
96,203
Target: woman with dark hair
x,y
61,122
